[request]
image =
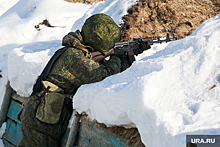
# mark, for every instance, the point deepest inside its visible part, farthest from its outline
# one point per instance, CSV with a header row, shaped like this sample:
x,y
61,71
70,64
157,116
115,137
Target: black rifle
x,y
127,47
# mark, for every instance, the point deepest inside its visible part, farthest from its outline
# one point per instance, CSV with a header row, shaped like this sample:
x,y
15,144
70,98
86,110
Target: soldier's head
x,y
100,32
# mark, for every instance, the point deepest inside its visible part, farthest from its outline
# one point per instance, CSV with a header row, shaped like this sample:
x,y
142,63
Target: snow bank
x,y
5,5
31,48
168,95
2,130
114,8
27,50
24,65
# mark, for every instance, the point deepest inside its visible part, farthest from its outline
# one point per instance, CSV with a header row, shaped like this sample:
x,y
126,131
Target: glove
x,y
142,47
70,37
120,56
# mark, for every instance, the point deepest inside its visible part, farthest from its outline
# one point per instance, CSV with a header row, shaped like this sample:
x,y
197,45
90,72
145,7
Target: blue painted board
x,y
14,110
13,132
19,98
11,127
91,134
7,144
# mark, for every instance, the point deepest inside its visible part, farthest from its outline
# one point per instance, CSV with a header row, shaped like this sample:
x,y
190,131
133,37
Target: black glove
x,y
142,47
121,57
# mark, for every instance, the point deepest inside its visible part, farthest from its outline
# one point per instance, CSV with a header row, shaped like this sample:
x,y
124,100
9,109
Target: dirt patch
x,y
150,18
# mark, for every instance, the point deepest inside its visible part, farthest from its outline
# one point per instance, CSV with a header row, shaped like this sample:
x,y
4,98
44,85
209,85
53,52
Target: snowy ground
x,y
166,95
24,51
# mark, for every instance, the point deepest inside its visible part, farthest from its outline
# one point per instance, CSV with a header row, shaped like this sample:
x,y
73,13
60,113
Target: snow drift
x,y
168,95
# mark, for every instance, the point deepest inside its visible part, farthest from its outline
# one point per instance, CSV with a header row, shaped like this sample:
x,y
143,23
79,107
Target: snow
x,y
171,91
167,95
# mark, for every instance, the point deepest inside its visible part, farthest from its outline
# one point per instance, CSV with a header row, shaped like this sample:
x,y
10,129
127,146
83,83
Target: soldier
x,y
46,113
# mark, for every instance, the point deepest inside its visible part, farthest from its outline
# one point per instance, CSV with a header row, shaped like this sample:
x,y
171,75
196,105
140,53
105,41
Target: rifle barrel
x,y
152,40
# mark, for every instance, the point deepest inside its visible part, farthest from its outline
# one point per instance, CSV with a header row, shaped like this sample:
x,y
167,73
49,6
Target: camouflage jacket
x,y
73,69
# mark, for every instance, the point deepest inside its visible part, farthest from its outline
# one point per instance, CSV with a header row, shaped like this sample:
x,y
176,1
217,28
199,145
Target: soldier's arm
x,y
91,71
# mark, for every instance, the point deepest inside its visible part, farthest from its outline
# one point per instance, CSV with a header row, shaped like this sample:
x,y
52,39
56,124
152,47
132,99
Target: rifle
x,y
127,47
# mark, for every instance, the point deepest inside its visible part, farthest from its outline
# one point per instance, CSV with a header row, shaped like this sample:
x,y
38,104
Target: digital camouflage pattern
x,y
100,32
70,37
37,133
71,70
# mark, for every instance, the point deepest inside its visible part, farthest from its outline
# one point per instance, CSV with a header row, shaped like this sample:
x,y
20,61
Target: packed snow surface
x,y
24,50
171,91
168,95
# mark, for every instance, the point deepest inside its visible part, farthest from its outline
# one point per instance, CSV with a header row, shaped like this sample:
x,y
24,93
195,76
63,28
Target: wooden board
x,y
94,135
19,98
13,132
5,104
14,110
7,144
88,135
65,138
13,135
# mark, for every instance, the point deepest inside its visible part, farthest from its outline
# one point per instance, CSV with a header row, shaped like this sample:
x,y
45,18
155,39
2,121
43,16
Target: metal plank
x,y
5,103
13,132
14,110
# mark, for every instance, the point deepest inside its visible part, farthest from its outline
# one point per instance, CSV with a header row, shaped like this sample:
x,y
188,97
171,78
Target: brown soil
x,y
151,18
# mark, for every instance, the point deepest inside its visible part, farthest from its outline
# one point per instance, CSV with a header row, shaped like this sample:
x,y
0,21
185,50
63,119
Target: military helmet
x,y
100,32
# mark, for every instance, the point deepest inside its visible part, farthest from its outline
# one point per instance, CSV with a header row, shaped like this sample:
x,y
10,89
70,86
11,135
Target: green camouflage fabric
x,y
70,37
70,71
73,69
37,133
100,32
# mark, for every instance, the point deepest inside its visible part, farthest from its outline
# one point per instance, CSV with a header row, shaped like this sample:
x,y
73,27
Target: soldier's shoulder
x,y
72,51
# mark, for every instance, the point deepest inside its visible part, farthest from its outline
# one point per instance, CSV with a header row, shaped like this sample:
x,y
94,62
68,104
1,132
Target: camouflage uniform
x,y
69,72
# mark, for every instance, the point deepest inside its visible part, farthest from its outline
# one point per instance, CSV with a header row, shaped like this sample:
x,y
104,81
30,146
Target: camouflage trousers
x,y
37,133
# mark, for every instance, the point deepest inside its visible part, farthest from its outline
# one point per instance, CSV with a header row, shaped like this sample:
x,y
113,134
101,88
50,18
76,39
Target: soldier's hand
x,y
97,56
142,47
